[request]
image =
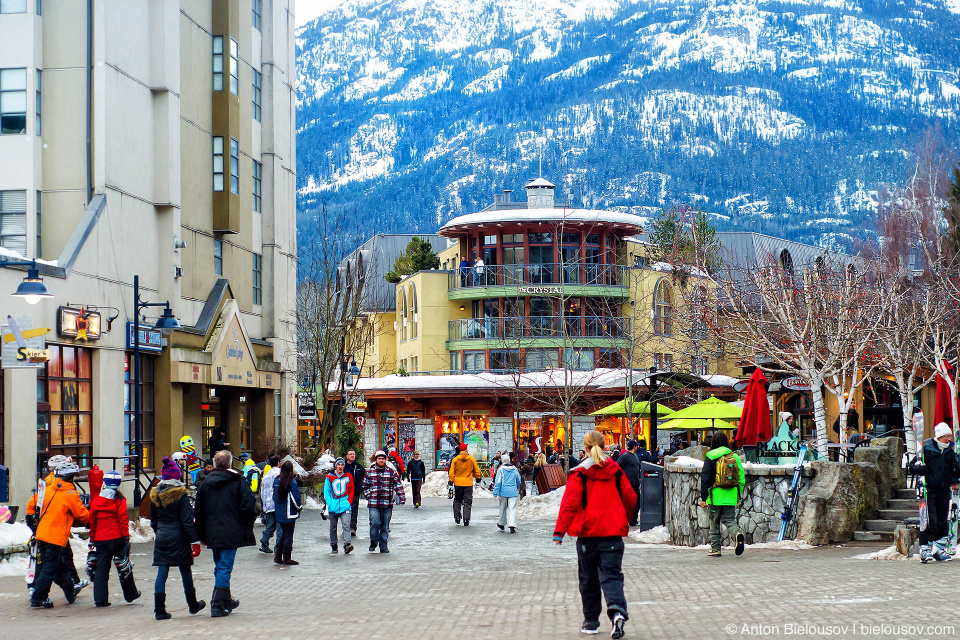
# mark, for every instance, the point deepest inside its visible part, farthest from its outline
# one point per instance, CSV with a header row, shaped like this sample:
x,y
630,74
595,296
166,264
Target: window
x,y
474,361
234,166
13,101
542,359
414,317
16,6
39,73
505,360
65,406
610,359
218,163
257,94
218,63
698,365
218,257
146,410
489,240
663,361
578,359
786,261
414,363
257,185
698,313
663,309
257,14
39,251
513,238
13,221
257,278
454,361
234,67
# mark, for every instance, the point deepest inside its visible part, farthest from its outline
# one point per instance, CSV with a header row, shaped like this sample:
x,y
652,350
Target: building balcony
x,y
538,331
520,280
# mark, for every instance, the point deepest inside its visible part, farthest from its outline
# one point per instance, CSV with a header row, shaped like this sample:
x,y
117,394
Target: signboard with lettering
x,y
23,346
233,362
151,340
556,291
356,403
796,383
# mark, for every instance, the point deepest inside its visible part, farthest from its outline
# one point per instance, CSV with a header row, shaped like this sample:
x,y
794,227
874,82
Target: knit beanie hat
x,y
941,430
340,461
170,470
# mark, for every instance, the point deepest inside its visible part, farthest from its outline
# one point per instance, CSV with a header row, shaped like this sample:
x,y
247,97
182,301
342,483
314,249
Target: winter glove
x,y
557,538
195,549
31,521
126,541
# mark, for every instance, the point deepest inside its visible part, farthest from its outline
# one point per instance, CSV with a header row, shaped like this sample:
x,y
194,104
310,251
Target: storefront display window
x,y
65,406
469,427
146,410
537,433
398,431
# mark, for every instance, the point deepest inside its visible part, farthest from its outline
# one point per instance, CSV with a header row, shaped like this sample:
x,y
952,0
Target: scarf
x,y
108,493
942,446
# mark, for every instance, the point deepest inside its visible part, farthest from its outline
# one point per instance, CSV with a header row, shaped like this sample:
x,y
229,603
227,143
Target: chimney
x,y
540,194
497,198
506,195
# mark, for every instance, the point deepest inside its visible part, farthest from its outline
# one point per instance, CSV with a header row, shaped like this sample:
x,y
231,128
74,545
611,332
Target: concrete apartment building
x,y
153,138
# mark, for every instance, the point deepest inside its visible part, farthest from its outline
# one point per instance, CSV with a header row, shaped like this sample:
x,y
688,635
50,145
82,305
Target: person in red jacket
x,y
596,508
110,540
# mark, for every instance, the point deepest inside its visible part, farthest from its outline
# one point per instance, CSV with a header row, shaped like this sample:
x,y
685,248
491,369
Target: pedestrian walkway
x,y
443,581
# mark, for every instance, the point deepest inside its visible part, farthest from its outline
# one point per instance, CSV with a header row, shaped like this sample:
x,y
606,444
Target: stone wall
x,y
764,498
581,425
426,444
501,435
371,440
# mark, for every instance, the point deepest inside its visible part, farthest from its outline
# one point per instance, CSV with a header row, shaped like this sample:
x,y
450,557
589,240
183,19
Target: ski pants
x,y
938,507
599,562
415,485
110,552
51,569
462,501
71,565
727,516
508,512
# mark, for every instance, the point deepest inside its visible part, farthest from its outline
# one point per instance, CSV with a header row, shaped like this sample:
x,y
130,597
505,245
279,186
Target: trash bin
x,y
651,496
4,484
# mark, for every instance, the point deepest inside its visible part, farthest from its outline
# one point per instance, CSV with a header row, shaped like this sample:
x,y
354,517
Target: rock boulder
x,y
840,498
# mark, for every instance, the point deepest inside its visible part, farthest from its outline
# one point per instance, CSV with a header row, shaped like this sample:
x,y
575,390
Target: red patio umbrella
x,y
755,421
943,410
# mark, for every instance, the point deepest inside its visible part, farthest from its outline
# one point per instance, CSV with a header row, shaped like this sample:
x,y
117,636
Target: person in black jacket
x,y
417,473
643,454
357,470
226,510
171,518
217,441
940,470
630,464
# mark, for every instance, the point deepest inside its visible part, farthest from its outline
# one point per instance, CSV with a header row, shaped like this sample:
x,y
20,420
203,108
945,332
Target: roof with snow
x,y
627,222
539,182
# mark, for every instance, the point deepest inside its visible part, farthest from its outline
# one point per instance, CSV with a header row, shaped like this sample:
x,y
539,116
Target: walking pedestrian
x,y
940,470
226,511
721,485
394,458
595,508
338,493
357,470
527,471
61,506
286,495
630,464
417,473
268,514
506,488
464,471
110,539
177,541
381,486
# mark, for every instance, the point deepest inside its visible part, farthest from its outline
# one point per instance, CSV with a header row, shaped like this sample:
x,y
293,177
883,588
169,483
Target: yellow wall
x,y
375,332
433,315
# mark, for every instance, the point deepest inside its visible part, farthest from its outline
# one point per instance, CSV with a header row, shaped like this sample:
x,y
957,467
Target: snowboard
x,y
954,520
32,562
793,495
921,485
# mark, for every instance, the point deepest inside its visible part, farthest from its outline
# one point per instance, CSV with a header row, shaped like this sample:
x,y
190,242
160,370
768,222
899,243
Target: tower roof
x,y
537,183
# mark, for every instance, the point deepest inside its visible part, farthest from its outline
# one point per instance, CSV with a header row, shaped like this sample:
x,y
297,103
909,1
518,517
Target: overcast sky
x,y
307,10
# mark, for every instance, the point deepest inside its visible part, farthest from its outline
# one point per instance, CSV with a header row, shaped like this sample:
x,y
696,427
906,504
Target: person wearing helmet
x,y
61,506
110,541
52,463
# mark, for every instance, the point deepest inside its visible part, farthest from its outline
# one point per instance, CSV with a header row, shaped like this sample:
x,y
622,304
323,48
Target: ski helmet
x,y
112,479
56,461
67,471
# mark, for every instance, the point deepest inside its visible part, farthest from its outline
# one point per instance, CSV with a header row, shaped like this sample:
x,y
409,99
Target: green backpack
x,y
728,472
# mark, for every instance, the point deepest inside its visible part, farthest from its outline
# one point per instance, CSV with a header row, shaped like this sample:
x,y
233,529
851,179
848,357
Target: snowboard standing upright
x,y
793,496
34,554
953,522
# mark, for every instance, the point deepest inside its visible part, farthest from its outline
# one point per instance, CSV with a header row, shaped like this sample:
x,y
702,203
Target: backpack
x,y
728,472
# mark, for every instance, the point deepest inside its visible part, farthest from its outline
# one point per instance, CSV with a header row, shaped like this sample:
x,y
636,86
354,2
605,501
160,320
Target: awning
x,y
711,409
696,424
619,409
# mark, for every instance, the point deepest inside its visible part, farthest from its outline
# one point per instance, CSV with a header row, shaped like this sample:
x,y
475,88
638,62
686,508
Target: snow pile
x,y
14,567
657,535
542,507
435,486
309,502
687,461
14,534
783,545
140,531
890,553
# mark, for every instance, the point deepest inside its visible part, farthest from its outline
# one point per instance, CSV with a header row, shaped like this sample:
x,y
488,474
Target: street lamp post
x,y
166,323
32,289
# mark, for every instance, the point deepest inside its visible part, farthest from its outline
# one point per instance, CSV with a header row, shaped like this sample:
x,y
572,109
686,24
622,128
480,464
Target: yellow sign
x,y
29,333
33,355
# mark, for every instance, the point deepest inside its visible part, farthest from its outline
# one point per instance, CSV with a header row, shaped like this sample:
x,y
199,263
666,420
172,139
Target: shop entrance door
x,y
209,418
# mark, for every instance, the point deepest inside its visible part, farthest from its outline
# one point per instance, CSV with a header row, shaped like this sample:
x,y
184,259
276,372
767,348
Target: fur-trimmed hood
x,y
167,492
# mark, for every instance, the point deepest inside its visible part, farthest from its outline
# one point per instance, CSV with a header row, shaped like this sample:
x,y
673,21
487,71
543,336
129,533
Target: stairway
x,y
903,505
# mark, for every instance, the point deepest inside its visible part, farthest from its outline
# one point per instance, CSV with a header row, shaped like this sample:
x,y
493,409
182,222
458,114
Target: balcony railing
x,y
520,275
508,329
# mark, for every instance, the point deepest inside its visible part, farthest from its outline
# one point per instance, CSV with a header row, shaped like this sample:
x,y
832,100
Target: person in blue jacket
x,y
507,489
338,493
286,494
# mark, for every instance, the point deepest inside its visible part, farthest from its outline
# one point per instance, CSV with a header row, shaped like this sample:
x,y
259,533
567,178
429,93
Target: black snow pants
x,y
600,561
938,507
110,552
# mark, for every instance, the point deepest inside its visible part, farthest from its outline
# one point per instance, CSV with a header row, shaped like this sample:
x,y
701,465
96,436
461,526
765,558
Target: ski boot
x,y
926,553
940,551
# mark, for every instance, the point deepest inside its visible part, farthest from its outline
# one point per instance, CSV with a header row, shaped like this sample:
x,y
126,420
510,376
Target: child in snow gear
x,y
110,541
171,518
381,486
338,494
506,488
60,507
940,470
596,508
721,494
463,471
270,473
286,494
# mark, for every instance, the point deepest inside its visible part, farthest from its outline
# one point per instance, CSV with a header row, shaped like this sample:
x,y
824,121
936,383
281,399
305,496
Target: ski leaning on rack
x,y
793,496
954,520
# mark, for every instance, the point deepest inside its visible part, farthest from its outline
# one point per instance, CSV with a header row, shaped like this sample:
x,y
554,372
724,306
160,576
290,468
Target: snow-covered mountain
x,y
775,116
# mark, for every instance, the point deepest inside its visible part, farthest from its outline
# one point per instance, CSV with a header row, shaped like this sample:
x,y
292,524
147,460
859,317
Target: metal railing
x,y
605,275
508,329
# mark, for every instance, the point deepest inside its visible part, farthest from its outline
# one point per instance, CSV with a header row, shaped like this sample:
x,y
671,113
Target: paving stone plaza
x,y
443,581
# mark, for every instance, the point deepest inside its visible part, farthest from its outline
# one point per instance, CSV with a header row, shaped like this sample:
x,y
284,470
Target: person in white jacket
x,y
507,489
269,508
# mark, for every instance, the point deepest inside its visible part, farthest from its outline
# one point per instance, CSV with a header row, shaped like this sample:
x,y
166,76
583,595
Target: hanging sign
x,y
78,323
150,339
356,403
796,383
23,346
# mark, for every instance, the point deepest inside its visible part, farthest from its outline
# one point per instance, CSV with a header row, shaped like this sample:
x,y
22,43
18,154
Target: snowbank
x,y
14,534
435,486
542,507
14,567
660,536
687,461
657,535
140,531
890,553
309,502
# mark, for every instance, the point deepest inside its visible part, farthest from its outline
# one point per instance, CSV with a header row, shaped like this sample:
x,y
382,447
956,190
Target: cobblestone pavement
x,y
442,581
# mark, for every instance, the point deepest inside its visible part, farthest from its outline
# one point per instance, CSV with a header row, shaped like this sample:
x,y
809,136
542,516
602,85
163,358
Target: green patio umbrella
x,y
619,410
696,424
710,409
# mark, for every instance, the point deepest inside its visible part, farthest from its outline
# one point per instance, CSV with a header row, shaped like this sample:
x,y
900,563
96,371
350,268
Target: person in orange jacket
x,y
463,471
61,506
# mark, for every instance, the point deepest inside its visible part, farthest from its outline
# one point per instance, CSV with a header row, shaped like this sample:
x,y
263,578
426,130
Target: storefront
x,y
398,431
537,433
453,427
